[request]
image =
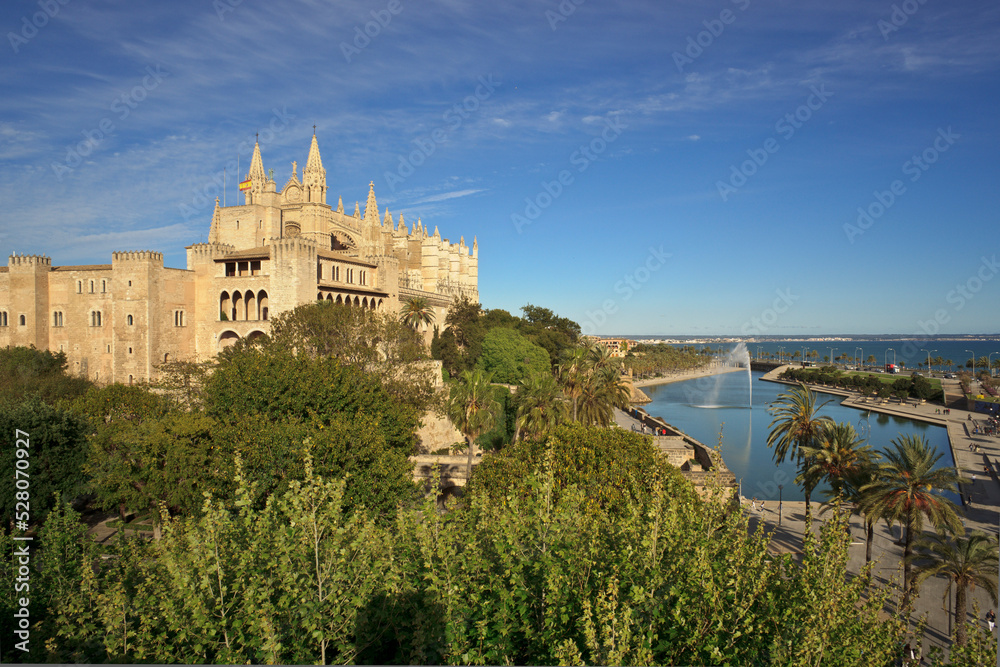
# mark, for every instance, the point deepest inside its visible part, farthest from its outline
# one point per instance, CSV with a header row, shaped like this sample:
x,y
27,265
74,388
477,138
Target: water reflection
x,y
745,448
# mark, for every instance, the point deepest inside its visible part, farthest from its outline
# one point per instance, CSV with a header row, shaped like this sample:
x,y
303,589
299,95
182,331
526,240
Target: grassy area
x,y
889,378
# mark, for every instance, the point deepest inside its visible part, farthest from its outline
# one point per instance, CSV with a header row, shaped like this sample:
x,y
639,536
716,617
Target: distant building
x,y
618,347
276,251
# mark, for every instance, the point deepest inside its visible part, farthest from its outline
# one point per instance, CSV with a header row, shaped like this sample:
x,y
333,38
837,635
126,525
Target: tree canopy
x,y
511,357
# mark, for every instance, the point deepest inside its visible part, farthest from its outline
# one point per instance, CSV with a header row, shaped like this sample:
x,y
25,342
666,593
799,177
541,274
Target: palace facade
x,y
281,248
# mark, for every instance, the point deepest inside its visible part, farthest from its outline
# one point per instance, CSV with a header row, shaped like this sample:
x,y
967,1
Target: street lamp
x,y
780,487
989,358
831,354
886,358
928,358
973,365
860,365
803,356
758,353
781,349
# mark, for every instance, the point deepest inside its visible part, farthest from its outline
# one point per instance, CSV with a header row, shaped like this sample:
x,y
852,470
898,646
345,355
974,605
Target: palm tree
x,y
417,311
472,407
601,392
967,562
541,406
835,455
907,489
572,374
794,427
855,482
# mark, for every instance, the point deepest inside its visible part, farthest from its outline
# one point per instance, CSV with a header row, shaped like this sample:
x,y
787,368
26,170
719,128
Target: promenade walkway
x,y
981,468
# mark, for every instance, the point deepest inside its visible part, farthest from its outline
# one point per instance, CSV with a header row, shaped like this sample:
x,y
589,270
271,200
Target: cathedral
x,y
280,249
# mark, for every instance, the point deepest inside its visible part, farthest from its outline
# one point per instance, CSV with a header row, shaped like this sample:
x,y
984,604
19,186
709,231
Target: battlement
x,y
136,256
294,244
210,250
28,261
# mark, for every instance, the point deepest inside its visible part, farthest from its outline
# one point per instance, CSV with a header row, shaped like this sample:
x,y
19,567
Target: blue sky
x,y
713,156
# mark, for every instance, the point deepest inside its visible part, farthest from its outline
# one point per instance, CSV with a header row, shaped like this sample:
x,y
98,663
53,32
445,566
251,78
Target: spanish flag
x,y
245,185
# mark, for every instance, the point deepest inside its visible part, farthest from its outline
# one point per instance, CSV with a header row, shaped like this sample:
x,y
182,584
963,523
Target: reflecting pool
x,y
706,407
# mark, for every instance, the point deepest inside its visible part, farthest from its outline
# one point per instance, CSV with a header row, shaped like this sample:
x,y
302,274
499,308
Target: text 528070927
x,y
22,519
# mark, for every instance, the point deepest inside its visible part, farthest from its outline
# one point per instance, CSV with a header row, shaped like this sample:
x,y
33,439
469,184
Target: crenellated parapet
x,y
210,250
136,256
29,261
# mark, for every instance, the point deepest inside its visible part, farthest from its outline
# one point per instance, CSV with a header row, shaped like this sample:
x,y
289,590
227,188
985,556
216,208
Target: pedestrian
x,y
991,619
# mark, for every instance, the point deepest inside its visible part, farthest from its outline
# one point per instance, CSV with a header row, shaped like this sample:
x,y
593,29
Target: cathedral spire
x,y
314,175
357,210
257,173
257,176
340,205
213,232
371,206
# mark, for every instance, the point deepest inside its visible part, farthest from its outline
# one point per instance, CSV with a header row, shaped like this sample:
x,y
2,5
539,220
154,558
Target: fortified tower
x,y
28,313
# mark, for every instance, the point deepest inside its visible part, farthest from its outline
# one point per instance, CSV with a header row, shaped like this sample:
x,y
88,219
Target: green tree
x,y
602,391
51,461
121,403
836,456
572,374
908,489
184,382
967,563
856,481
510,357
166,460
473,408
379,477
540,405
280,385
794,427
417,311
25,371
376,344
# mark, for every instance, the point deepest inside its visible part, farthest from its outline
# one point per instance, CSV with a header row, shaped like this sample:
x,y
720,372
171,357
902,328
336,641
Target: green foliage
x,y
460,345
555,572
272,455
540,406
614,468
169,459
280,385
25,371
473,406
55,457
908,489
184,382
503,430
120,403
511,357
376,344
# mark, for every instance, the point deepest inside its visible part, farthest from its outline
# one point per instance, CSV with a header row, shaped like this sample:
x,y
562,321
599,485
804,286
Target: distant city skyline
x,y
734,168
